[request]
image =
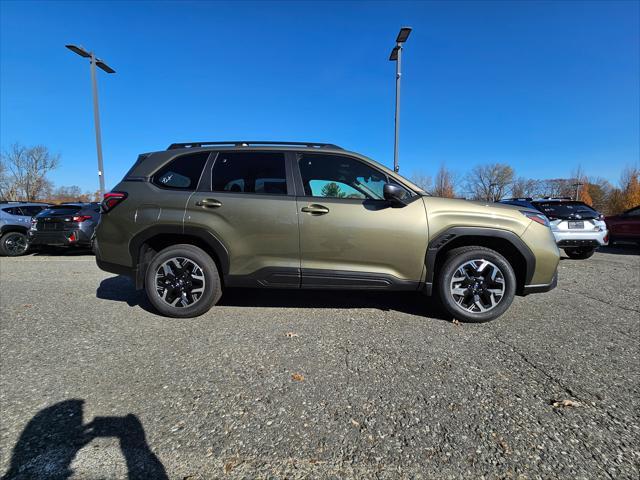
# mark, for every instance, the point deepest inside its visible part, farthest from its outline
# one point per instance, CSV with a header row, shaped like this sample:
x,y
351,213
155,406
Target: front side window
x,y
182,173
336,176
250,172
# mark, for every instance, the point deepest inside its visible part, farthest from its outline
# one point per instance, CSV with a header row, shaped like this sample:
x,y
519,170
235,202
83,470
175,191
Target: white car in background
x,y
577,227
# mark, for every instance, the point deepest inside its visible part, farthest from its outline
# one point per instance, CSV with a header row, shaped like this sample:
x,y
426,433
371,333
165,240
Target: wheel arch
x,y
147,243
505,242
13,228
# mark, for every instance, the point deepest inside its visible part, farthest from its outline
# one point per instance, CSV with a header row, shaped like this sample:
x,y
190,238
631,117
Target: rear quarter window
x,y
181,173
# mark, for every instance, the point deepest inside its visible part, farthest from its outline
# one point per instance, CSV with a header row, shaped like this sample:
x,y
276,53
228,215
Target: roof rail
x,y
521,199
246,143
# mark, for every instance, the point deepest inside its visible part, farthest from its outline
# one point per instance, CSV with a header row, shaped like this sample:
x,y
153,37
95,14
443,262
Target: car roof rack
x,y
555,198
520,199
247,143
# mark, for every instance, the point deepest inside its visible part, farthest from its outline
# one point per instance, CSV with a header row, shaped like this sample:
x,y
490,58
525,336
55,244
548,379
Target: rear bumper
x,y
63,238
109,266
581,239
541,288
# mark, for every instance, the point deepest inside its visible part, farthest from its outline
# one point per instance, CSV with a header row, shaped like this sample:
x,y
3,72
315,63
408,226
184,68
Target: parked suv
x,y
15,220
65,225
577,227
625,227
194,219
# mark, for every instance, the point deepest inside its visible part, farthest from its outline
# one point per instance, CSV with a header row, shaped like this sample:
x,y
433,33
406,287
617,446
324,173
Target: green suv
x,y
189,221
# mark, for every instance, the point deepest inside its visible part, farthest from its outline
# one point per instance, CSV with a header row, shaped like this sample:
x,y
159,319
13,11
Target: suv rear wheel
x,y
13,244
579,253
182,281
476,284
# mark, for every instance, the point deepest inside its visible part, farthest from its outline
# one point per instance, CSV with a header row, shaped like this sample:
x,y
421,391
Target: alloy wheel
x,y
477,286
180,282
15,244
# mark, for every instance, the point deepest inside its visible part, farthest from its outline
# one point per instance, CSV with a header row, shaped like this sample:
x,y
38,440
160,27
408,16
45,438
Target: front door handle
x,y
315,209
208,203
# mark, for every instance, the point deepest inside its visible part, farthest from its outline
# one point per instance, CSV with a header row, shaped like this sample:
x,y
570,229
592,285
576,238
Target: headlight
x,y
536,217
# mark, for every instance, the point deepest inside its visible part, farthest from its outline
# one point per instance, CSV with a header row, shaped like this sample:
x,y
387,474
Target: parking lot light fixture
x,y
96,111
396,56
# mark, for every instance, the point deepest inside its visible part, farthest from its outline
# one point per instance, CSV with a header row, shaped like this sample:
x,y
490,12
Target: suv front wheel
x,y
182,281
476,284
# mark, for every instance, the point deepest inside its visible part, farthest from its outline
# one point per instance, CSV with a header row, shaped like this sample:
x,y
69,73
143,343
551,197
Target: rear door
x,y
349,235
246,200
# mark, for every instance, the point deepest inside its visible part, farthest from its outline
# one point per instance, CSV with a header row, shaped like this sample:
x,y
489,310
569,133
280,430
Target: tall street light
x,y
96,112
396,56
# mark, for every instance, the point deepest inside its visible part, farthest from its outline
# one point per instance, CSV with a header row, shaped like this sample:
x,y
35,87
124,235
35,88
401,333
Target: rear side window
x,y
12,211
250,172
182,173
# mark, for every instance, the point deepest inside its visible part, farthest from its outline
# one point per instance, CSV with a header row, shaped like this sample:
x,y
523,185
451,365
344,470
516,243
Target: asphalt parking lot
x,y
278,384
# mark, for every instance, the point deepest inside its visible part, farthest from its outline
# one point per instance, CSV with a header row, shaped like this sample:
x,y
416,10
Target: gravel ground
x,y
278,384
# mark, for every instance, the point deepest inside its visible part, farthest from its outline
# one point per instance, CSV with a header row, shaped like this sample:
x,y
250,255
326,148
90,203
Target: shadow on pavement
x,y
52,438
121,289
61,252
620,249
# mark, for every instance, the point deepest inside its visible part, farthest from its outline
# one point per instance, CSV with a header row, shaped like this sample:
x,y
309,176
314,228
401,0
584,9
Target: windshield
x,y
566,210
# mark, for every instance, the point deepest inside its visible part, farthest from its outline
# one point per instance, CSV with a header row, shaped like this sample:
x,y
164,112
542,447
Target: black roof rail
x,y
247,143
521,199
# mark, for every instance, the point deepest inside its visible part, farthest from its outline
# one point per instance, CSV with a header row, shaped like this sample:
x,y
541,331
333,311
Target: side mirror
x,y
394,194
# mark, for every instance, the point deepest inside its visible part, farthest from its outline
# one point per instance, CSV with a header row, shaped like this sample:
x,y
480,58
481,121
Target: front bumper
x,y
566,238
541,288
62,238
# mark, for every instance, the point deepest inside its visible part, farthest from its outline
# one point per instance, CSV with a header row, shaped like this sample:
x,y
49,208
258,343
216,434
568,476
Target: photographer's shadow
x,y
52,438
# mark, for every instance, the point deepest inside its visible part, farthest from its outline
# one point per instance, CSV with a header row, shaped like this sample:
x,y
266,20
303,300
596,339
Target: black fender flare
x,y
13,228
207,237
450,234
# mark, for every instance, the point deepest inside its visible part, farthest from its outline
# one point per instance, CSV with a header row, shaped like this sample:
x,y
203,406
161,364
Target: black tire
x,y
456,259
212,287
14,244
579,253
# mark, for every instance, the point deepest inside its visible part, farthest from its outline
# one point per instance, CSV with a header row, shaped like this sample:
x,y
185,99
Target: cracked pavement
x,y
275,384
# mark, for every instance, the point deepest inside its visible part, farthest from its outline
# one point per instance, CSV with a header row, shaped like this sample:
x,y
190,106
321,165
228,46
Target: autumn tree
x,y
490,182
444,183
23,175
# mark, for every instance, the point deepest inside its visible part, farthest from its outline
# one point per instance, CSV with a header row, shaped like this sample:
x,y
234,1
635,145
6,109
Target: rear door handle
x,y
315,209
209,203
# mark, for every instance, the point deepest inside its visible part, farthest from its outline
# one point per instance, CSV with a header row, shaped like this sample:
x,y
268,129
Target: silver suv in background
x,y
577,227
15,221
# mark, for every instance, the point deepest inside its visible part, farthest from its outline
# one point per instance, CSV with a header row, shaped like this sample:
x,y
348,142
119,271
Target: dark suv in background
x,y
188,221
65,225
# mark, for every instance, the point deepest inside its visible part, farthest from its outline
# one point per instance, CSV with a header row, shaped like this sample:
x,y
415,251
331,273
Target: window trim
x,y
208,184
300,183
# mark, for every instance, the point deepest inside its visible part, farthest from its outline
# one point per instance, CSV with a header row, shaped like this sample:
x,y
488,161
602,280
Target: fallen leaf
x,y
456,322
27,305
354,423
228,466
565,404
291,334
298,377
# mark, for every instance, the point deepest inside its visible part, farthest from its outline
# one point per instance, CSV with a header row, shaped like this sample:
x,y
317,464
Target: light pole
x,y
396,56
578,185
96,112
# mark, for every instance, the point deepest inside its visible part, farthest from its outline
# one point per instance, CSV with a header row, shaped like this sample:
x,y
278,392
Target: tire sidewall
x,y
452,263
212,282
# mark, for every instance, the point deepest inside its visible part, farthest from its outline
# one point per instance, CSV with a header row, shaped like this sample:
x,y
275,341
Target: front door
x,y
249,205
350,235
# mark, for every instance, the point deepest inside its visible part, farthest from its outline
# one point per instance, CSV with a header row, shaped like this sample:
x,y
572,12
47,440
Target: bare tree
x,y
25,170
422,180
490,182
444,183
525,188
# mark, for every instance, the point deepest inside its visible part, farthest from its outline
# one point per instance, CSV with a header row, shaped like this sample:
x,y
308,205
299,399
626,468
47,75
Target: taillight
x,y
81,218
111,199
536,217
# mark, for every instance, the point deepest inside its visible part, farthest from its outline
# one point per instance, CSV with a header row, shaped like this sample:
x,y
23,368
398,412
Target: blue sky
x,y
543,86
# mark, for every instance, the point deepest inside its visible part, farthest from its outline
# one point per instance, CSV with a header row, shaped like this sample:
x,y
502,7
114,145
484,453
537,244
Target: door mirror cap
x,y
394,194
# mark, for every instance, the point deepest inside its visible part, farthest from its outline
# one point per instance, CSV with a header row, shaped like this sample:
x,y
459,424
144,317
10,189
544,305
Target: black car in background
x,y
68,224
